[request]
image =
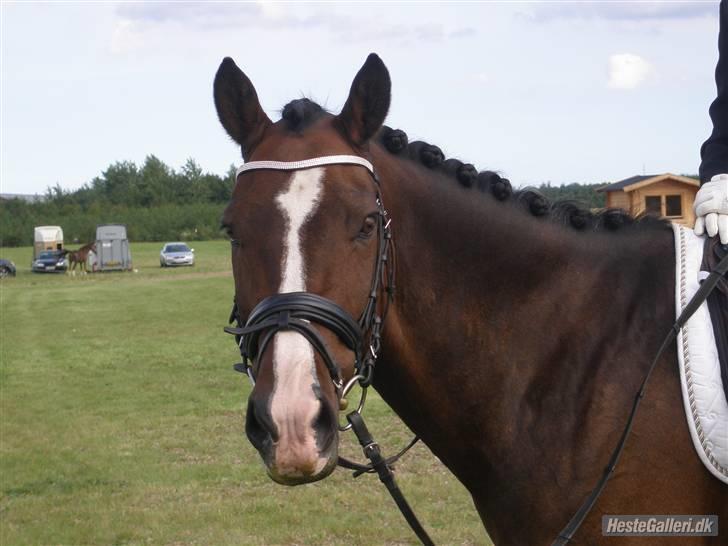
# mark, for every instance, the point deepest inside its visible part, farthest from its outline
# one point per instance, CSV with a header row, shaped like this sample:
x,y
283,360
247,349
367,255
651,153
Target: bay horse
x,y
80,257
516,337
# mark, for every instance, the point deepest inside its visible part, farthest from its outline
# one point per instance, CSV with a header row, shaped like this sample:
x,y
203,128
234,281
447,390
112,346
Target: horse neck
x,y
497,340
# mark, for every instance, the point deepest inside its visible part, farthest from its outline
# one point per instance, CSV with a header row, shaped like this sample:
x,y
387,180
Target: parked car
x,y
7,268
50,261
176,254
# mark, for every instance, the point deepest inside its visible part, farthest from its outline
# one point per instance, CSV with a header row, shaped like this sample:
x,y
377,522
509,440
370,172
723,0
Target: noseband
x,y
300,311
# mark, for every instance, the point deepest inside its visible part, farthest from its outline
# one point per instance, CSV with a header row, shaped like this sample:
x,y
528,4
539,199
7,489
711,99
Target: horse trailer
x,y
47,238
112,248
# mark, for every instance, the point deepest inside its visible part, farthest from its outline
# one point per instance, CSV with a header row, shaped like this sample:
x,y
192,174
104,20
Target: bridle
x,y
300,311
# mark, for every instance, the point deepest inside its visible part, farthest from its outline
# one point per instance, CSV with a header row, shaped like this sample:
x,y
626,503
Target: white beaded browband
x,y
305,164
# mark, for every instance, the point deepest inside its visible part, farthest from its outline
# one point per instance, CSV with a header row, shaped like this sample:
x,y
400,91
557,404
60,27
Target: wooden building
x,y
668,195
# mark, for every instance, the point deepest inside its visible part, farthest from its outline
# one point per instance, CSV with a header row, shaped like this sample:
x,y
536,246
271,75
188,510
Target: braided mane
x,y
567,213
300,113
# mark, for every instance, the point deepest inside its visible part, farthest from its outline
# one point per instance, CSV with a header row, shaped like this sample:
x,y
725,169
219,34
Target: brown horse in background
x,y
518,333
80,257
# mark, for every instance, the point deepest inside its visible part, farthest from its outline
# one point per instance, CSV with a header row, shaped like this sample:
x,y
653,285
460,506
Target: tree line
x,y
583,193
155,201
158,203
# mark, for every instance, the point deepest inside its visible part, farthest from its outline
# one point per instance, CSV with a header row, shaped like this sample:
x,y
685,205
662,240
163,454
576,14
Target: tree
x,y
584,193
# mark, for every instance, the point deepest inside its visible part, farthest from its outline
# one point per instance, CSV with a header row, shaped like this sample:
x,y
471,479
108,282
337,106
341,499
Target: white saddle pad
x,y
705,402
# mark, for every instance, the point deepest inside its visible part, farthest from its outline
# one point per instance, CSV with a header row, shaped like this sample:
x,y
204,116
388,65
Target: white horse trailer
x,y
47,238
112,248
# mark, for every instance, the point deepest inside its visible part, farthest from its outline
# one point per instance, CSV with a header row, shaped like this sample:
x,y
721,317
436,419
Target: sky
x,y
555,92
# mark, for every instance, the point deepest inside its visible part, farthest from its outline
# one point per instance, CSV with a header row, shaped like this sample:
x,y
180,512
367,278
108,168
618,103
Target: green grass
x,y
121,422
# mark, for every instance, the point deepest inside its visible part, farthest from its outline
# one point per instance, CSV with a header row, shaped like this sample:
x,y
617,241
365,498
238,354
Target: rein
x,y
298,311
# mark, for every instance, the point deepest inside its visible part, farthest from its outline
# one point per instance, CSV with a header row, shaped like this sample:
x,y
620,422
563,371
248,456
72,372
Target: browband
x,y
305,164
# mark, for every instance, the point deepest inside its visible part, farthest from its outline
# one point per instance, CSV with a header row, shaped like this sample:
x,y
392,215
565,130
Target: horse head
x,y
303,238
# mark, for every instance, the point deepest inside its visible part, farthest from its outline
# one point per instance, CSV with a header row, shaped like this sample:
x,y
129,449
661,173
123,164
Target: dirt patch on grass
x,y
201,275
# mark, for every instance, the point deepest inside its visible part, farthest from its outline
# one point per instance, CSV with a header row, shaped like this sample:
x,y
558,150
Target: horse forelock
x,y
300,113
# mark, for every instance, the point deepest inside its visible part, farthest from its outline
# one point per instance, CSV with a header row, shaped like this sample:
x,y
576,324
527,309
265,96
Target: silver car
x,y
176,254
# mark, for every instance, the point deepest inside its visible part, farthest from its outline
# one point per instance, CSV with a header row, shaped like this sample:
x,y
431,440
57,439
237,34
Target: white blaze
x,y
294,404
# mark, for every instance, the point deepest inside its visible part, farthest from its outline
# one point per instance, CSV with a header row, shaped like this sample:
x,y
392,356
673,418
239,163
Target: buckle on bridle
x,y
344,403
244,367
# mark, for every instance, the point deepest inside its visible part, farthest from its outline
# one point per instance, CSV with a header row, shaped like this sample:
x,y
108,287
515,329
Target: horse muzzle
x,y
301,447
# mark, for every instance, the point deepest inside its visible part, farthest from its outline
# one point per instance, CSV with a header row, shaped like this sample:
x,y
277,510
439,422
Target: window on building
x,y
653,204
673,205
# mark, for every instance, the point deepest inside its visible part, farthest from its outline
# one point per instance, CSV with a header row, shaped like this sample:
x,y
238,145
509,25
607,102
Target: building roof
x,y
626,182
633,182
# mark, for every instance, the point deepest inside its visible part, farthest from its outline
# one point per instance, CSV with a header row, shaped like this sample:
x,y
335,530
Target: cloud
x,y
628,71
271,10
350,26
482,77
463,32
126,37
430,32
213,15
624,11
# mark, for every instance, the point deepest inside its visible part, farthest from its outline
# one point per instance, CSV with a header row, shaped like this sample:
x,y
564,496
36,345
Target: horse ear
x,y
238,107
368,102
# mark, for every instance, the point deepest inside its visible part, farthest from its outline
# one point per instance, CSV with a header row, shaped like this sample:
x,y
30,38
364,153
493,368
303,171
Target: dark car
x,y
7,268
50,261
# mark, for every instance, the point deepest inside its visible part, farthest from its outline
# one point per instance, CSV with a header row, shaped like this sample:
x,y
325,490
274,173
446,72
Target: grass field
x,y
121,422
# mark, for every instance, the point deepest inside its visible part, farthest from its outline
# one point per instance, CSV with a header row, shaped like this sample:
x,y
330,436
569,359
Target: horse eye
x,y
229,233
368,227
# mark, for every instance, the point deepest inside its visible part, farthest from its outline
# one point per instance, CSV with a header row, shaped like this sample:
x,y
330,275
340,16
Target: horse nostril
x,y
258,424
325,426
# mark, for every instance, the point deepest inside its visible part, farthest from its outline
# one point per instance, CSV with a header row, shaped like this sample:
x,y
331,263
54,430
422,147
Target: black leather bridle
x,y
300,311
